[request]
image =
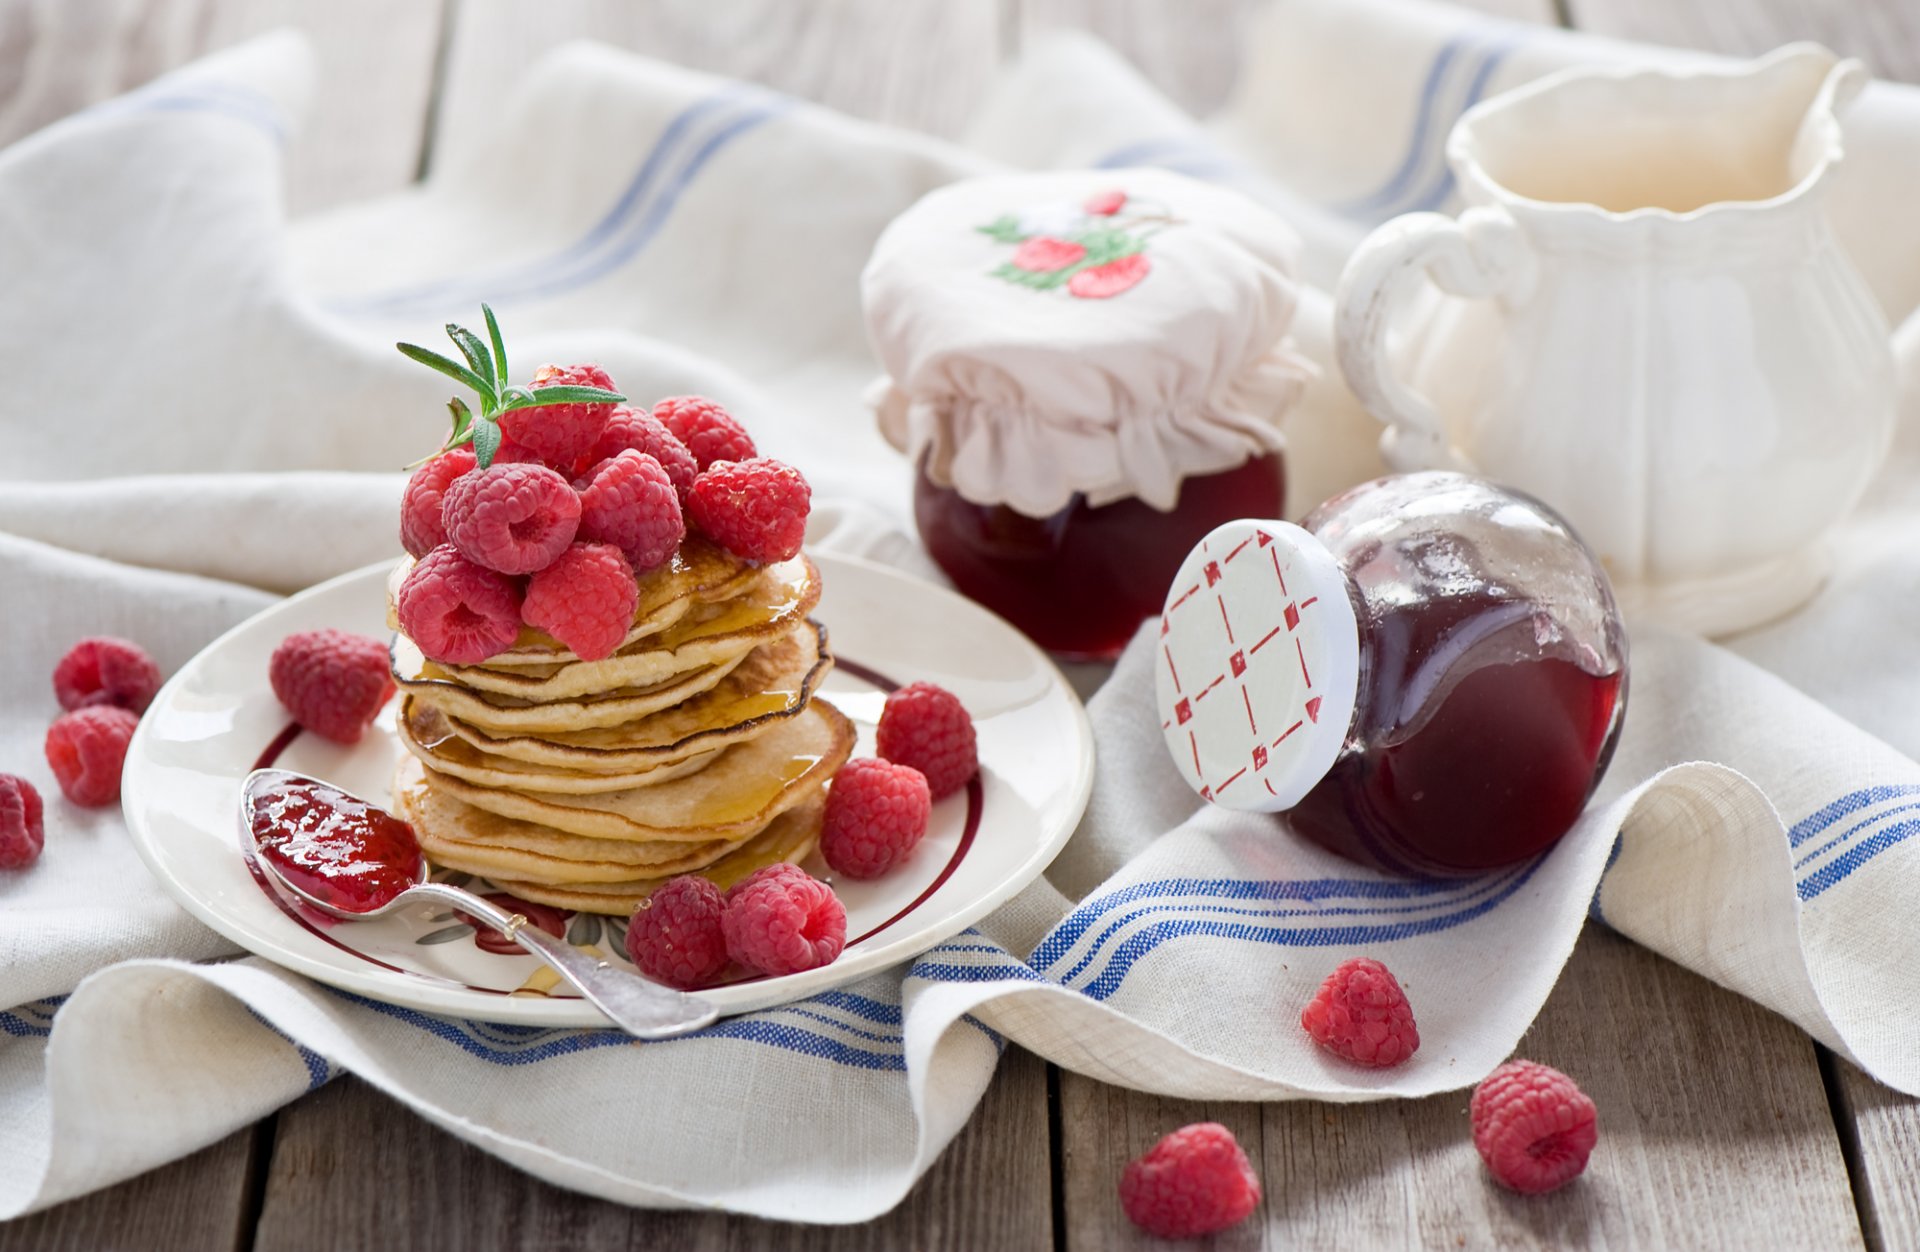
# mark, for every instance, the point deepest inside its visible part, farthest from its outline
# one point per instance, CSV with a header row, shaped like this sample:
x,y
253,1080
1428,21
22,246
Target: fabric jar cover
x,y
1108,332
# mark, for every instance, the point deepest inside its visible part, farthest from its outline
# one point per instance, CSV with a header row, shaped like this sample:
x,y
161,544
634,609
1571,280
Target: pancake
x,y
740,792
425,731
508,715
700,572
713,634
774,682
462,837
790,837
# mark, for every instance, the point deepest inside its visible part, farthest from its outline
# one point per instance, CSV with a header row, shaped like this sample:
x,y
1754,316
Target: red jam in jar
x,y
1080,582
335,847
1462,646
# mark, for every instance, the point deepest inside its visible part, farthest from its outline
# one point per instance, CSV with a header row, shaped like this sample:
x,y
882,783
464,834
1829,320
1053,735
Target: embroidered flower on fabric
x,y
1095,249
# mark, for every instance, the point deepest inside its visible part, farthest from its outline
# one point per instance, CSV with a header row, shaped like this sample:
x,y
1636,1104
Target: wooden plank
x,y
194,1205
376,62
1883,1133
1715,1132
346,1143
921,64
1883,33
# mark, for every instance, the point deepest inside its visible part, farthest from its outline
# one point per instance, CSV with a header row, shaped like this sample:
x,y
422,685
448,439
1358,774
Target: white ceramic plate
x,y
217,719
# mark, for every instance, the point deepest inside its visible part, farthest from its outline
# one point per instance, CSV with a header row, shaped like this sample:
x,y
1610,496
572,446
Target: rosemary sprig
x,y
485,373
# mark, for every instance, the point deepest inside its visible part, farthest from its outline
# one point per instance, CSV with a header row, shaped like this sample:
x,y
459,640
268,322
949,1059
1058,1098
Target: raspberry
x,y
782,920
876,813
1103,281
708,431
422,528
1533,1127
754,509
332,682
105,670
675,937
629,501
560,433
643,432
511,453
1193,1182
22,832
928,728
87,749
458,612
512,518
585,600
1361,1014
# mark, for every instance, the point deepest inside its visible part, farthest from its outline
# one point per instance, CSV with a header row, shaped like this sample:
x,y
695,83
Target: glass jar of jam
x,y
1427,676
1087,369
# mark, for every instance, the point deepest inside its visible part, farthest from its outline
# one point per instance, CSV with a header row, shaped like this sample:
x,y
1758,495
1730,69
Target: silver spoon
x,y
644,1009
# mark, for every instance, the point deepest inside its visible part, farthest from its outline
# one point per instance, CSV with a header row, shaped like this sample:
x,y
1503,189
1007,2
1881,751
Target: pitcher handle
x,y
1480,256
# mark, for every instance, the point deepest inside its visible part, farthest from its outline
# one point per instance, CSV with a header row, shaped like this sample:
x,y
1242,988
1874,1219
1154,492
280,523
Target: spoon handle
x,y
644,1009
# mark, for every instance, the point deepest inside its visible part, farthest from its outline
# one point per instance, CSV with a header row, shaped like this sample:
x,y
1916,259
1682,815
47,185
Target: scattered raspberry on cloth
x,y
22,828
1361,1014
106,670
87,749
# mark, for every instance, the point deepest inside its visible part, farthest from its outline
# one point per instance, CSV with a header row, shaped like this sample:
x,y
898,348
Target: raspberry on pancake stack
x,y
607,667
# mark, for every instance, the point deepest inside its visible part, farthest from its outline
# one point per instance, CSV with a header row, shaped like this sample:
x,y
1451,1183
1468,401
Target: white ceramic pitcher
x,y
1660,335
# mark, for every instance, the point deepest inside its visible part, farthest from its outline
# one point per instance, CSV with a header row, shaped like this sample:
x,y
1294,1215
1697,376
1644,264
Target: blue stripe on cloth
x,y
1853,830
1442,185
1188,154
546,1043
933,971
1480,887
636,216
1845,806
319,1068
1613,855
1144,941
1418,142
1068,933
1836,871
32,1020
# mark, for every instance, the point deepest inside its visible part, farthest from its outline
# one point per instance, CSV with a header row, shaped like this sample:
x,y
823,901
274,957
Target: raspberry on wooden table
x,y
1533,1126
1194,1182
106,670
709,431
675,936
782,920
927,727
641,431
22,829
512,518
87,749
629,501
459,613
560,434
876,813
422,527
754,509
585,600
331,681
1361,1014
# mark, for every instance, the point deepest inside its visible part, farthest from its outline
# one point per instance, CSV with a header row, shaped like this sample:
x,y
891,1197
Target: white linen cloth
x,y
196,391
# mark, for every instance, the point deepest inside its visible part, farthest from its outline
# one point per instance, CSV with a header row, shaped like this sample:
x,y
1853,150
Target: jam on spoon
x,y
354,860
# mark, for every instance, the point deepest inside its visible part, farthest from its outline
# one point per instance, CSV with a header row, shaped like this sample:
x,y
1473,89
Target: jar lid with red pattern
x,y
1102,332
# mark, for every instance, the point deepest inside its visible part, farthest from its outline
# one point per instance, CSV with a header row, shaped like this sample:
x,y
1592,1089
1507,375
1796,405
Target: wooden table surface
x,y
1724,1126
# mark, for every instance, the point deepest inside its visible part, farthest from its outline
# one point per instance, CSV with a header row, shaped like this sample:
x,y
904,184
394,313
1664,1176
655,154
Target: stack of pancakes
x,y
697,747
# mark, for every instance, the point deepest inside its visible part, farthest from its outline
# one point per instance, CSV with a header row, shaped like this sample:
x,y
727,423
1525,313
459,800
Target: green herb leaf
x,y
486,441
1005,228
499,347
521,399
445,365
475,352
462,422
